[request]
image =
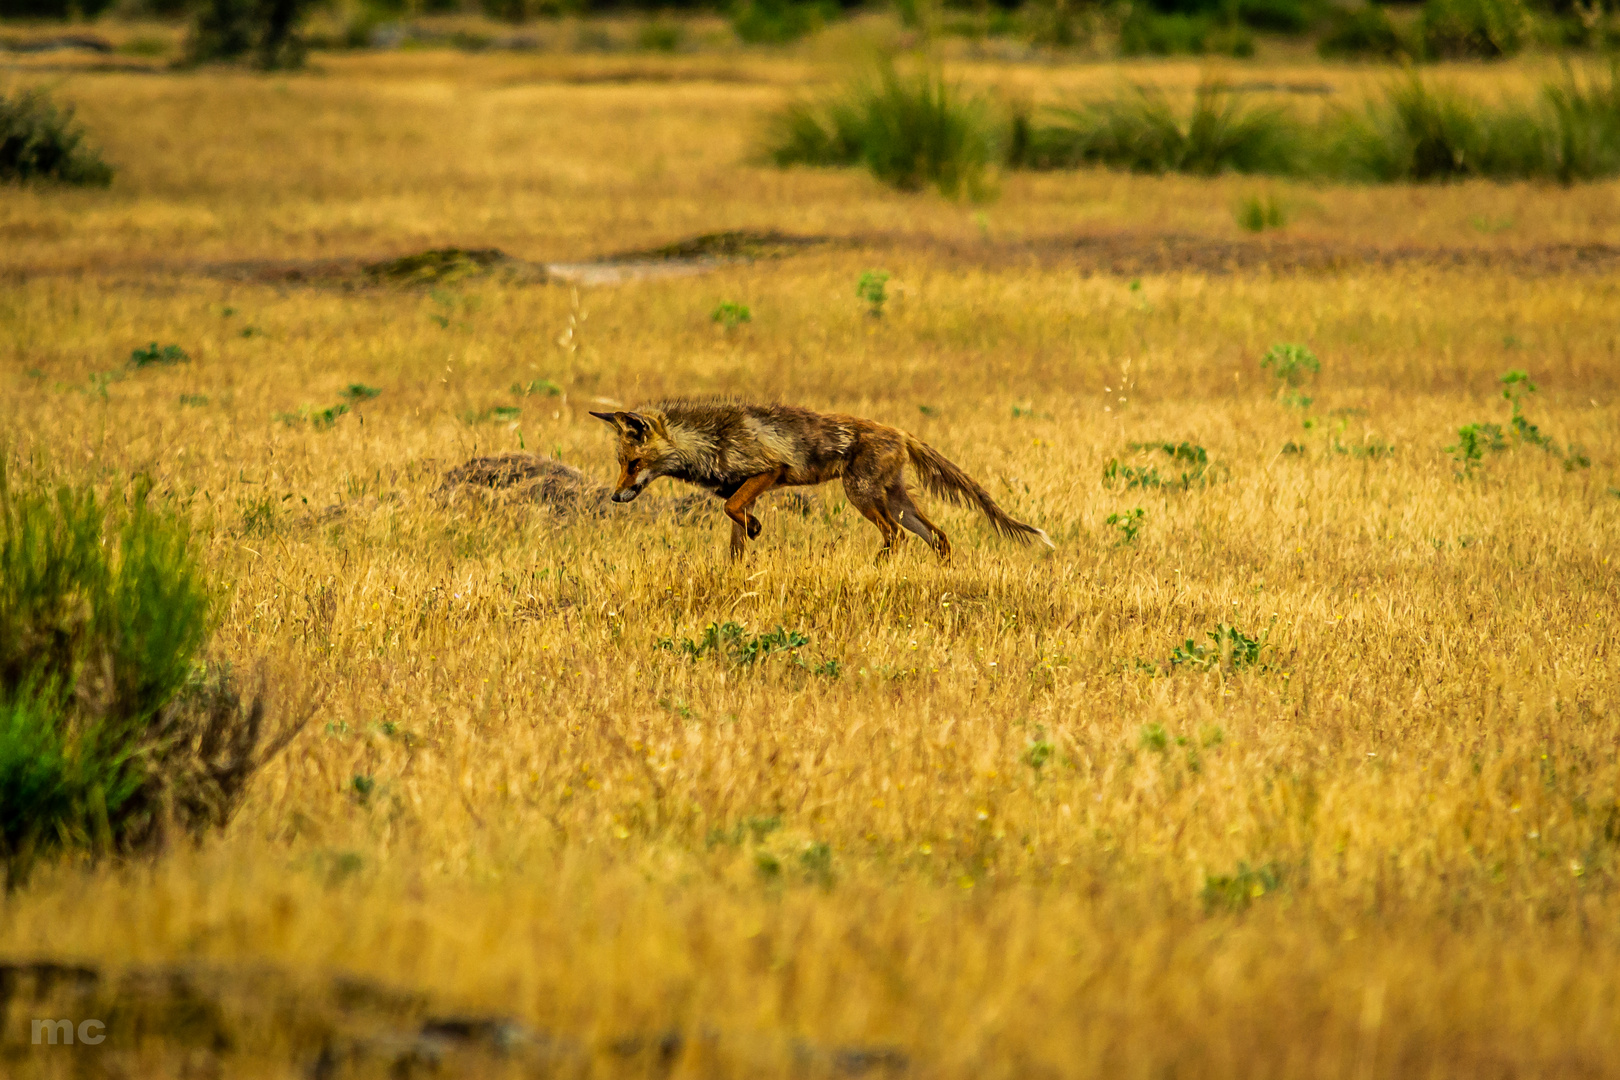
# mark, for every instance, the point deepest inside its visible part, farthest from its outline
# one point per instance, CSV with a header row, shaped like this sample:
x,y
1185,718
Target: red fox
x,y
740,451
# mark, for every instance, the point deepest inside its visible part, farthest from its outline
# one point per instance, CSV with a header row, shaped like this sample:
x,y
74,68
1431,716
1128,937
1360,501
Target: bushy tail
x,y
942,478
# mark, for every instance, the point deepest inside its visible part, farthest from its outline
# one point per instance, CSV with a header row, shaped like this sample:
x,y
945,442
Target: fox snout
x,y
626,494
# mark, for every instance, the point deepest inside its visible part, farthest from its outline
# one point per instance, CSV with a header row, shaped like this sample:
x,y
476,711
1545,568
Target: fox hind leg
x,y
877,512
905,511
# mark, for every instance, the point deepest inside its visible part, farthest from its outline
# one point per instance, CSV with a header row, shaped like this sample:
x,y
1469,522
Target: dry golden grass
x,y
994,841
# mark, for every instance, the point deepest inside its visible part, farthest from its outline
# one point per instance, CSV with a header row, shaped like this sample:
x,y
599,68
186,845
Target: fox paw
x,y
754,527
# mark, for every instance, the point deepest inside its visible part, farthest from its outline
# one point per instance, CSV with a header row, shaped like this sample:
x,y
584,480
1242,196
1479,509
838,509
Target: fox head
x,y
644,450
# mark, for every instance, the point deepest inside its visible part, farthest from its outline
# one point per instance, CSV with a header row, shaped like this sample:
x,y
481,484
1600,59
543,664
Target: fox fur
x,y
740,451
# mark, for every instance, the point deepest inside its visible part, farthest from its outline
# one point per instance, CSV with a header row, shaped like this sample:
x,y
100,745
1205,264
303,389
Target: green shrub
x,y
911,130
1485,29
778,22
1258,213
1584,132
1361,32
660,35
1142,131
262,31
1146,32
110,730
153,355
40,141
1275,16
1416,132
1425,133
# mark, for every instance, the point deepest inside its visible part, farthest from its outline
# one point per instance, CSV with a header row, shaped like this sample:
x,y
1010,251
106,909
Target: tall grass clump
x,y
1415,131
40,141
264,32
1143,131
1585,126
911,130
1474,29
110,730
1363,32
780,22
1421,132
1145,32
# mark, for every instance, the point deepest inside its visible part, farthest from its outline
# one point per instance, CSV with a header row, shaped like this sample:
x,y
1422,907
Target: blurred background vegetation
x,y
276,33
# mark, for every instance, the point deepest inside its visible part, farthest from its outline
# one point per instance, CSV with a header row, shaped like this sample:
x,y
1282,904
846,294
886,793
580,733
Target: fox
x,y
739,451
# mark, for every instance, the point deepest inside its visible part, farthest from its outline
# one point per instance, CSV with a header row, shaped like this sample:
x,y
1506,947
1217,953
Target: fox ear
x,y
635,425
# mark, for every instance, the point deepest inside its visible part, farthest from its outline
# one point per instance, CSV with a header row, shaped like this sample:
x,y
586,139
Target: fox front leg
x,y
745,526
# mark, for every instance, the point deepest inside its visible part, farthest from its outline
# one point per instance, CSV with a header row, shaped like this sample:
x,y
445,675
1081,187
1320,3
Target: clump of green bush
x,y
1141,130
1420,132
264,32
40,141
112,734
1146,32
1483,29
1364,31
911,130
778,22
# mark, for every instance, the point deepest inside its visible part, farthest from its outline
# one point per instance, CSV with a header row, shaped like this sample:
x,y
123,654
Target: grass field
x,y
1019,815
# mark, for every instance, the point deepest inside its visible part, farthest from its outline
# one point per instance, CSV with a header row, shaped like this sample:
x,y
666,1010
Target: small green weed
x,y
873,288
100,380
541,387
1039,751
1195,467
1475,440
1292,364
194,399
1128,523
323,419
500,414
358,392
153,354
1259,213
733,641
261,515
1230,649
730,315
319,419
815,861
1237,890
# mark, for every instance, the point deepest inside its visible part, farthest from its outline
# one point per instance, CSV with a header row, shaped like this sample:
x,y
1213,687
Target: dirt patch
x,y
57,43
203,1020
736,244
443,266
1135,254
423,269
683,258
1125,254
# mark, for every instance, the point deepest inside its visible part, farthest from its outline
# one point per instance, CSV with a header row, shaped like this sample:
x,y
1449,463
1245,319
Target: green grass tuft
x,y
911,130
